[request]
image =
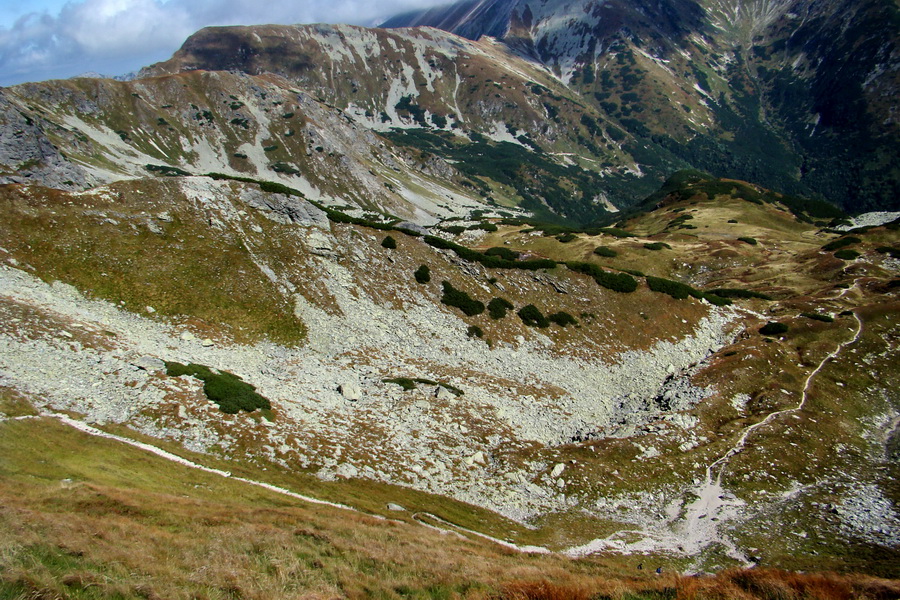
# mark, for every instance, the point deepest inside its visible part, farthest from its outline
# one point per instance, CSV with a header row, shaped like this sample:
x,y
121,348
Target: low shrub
x,y
732,220
618,282
565,238
841,243
892,252
498,307
227,390
657,246
504,253
460,300
491,262
474,331
423,274
166,170
533,317
562,319
748,240
818,317
389,242
605,252
773,328
616,232
847,254
405,382
676,289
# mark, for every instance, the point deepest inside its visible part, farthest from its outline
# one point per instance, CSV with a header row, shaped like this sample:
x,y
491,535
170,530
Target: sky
x,y
53,39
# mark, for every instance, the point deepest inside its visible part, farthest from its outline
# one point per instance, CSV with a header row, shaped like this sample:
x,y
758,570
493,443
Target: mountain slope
x,y
806,85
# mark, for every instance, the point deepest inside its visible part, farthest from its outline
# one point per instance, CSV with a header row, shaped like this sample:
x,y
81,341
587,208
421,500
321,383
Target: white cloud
x,y
116,36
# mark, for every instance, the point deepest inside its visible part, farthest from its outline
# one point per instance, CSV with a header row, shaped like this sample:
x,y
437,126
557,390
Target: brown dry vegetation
x,y
89,518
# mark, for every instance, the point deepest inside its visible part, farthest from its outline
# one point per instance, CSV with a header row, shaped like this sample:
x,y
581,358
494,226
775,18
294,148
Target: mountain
x,y
345,311
792,94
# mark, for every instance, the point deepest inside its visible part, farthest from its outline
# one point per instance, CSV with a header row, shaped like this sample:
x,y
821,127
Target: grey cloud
x,y
116,36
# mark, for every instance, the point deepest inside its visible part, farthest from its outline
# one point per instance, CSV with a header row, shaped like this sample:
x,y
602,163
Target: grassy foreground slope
x,y
89,518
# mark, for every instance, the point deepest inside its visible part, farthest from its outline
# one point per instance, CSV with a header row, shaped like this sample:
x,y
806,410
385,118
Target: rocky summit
x,y
499,292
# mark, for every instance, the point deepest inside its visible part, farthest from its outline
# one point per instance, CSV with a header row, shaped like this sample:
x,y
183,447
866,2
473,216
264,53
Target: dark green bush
x,y
474,331
605,252
732,220
748,240
405,382
773,328
389,242
618,282
533,317
492,262
504,253
497,307
461,300
423,274
847,254
841,243
562,319
657,246
565,238
676,289
227,390
166,170
818,317
892,252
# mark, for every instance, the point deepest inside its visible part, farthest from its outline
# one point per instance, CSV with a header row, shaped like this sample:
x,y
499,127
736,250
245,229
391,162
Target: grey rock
x,y
150,363
395,507
350,390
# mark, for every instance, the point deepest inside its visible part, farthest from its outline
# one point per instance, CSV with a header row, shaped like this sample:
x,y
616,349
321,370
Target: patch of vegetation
x,y
405,382
285,168
533,317
847,254
618,282
605,252
562,319
474,331
681,291
422,274
892,252
498,308
818,317
657,246
676,289
739,293
504,253
773,328
490,261
460,300
167,171
748,240
565,238
389,242
841,243
227,390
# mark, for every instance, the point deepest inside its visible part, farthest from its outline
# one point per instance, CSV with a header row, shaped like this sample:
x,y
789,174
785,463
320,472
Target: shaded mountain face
x,y
793,94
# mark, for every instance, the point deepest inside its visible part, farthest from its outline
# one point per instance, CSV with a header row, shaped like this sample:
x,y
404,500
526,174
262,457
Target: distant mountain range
x,y
567,109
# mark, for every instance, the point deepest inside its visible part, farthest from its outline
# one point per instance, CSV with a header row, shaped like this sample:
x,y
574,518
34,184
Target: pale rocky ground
x,y
335,415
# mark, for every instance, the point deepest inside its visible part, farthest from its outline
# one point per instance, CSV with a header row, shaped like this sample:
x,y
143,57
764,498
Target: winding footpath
x,y
714,506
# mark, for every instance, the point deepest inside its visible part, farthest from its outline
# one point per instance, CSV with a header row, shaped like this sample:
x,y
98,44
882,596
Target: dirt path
x,y
714,507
